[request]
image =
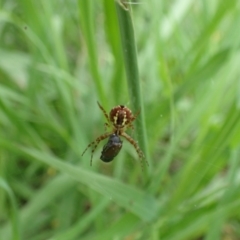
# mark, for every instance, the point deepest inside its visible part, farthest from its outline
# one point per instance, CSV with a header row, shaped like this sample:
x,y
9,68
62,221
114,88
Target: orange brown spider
x,y
119,120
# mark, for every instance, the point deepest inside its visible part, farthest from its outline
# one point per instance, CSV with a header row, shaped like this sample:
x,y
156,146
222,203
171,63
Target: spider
x,y
111,149
119,120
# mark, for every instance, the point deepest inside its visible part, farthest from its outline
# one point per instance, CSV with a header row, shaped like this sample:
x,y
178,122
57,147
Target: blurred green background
x,y
57,59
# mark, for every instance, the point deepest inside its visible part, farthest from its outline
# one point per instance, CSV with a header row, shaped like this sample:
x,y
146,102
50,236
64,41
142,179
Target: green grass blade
x,y
134,200
13,210
132,73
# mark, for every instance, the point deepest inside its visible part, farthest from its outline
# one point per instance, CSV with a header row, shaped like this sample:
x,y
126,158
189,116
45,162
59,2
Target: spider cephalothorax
x,y
119,120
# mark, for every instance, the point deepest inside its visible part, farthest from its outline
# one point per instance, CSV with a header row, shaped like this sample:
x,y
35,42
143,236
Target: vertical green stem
x,y
132,73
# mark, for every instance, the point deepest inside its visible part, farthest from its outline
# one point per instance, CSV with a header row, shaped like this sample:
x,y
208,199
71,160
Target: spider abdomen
x,y
120,116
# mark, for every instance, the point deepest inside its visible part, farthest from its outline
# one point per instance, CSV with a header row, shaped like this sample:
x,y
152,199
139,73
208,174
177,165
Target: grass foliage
x,y
177,61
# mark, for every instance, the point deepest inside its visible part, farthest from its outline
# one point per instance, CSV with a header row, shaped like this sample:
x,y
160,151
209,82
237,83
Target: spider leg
x,y
132,128
95,144
137,148
104,112
132,119
106,126
136,115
